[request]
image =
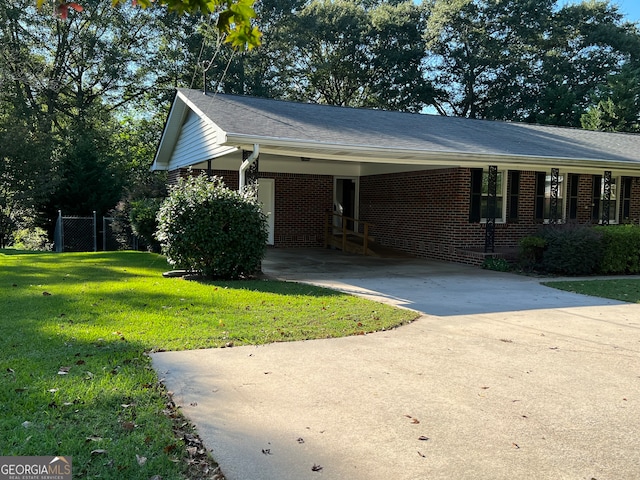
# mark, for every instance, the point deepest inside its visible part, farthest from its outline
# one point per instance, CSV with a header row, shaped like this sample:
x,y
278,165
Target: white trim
x,y
505,177
271,220
356,200
367,154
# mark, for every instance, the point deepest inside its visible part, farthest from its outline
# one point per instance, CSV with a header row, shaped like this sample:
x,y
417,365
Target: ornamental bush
x,y
207,228
621,245
571,249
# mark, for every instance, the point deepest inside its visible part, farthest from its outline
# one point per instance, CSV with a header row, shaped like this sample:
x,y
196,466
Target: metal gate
x,y
81,234
75,234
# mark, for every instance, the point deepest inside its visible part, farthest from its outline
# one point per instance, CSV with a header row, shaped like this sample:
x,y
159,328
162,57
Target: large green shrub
x,y
144,224
207,228
34,238
621,249
531,251
571,249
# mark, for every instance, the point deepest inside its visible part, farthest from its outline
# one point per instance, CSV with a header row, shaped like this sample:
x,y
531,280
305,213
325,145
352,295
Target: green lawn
x,y
627,290
76,329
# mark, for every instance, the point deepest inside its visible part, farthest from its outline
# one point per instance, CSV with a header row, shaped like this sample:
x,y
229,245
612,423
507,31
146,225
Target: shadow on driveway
x,y
519,381
428,286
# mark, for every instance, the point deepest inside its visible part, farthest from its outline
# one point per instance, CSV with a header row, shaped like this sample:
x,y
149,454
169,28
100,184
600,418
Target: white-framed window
x,y
544,196
598,199
478,208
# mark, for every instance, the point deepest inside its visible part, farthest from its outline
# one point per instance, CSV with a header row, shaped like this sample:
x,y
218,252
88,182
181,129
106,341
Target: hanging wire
x,y
207,64
195,69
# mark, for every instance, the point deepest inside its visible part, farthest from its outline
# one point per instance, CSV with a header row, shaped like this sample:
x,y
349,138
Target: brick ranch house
x,y
428,184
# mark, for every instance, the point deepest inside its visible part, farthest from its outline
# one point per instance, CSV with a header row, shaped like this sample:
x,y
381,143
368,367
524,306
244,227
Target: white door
x,y
266,196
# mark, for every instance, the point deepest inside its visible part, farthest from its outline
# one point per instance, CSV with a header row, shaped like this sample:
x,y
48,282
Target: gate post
x,y
95,232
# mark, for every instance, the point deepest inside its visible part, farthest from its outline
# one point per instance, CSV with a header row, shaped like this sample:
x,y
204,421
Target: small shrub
x,y
531,250
571,249
496,264
31,239
621,249
205,227
144,224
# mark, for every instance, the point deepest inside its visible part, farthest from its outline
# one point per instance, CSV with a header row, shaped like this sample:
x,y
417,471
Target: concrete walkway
x,y
502,379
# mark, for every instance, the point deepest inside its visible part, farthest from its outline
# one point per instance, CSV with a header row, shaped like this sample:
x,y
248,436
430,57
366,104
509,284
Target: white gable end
x,y
199,141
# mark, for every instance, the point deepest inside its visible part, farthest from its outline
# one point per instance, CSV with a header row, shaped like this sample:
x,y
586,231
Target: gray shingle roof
x,y
251,116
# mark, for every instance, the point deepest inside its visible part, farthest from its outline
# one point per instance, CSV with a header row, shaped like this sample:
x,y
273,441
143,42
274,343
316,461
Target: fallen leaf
x,y
64,370
300,440
421,454
316,468
24,389
11,370
46,294
128,426
422,437
266,451
98,452
141,460
26,424
415,420
80,362
169,448
516,445
485,388
93,438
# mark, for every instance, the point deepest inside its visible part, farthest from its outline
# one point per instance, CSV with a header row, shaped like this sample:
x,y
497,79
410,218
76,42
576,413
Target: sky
x,y
629,8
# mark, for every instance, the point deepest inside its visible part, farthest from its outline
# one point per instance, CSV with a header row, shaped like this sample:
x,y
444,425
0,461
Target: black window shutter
x,y
514,189
475,202
596,197
574,180
626,199
541,178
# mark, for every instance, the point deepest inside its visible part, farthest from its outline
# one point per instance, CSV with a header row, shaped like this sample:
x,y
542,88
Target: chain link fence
x,y
82,234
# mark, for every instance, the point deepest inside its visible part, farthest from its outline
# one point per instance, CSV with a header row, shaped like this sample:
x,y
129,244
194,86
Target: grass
x,y
75,375
626,290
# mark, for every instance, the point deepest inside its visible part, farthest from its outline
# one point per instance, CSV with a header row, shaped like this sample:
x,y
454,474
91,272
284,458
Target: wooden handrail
x,y
330,229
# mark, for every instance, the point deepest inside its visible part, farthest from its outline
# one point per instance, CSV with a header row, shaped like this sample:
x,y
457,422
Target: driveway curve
x,y
502,378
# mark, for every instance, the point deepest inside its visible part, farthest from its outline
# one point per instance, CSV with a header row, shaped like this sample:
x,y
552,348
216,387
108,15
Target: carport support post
x,y
606,197
492,202
555,187
248,173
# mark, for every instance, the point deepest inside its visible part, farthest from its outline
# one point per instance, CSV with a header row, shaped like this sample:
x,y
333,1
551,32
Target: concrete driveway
x,y
502,378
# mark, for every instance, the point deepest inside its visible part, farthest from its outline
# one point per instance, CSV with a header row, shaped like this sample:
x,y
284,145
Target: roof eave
x,y
360,153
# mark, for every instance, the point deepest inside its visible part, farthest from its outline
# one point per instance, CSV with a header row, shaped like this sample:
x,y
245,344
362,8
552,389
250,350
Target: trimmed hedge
x,y
583,250
571,249
621,249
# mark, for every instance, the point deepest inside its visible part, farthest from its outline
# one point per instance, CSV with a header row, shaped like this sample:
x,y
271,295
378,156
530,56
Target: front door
x,y
266,196
345,198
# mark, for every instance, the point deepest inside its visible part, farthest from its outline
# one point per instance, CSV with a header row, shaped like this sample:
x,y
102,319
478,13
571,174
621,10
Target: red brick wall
x,y
427,213
300,204
424,213
634,210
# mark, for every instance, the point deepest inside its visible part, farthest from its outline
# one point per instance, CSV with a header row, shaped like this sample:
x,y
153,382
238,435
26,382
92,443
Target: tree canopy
x,y
86,84
234,16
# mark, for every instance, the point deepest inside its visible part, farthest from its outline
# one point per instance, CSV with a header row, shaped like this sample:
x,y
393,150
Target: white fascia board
x,y
361,153
171,133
